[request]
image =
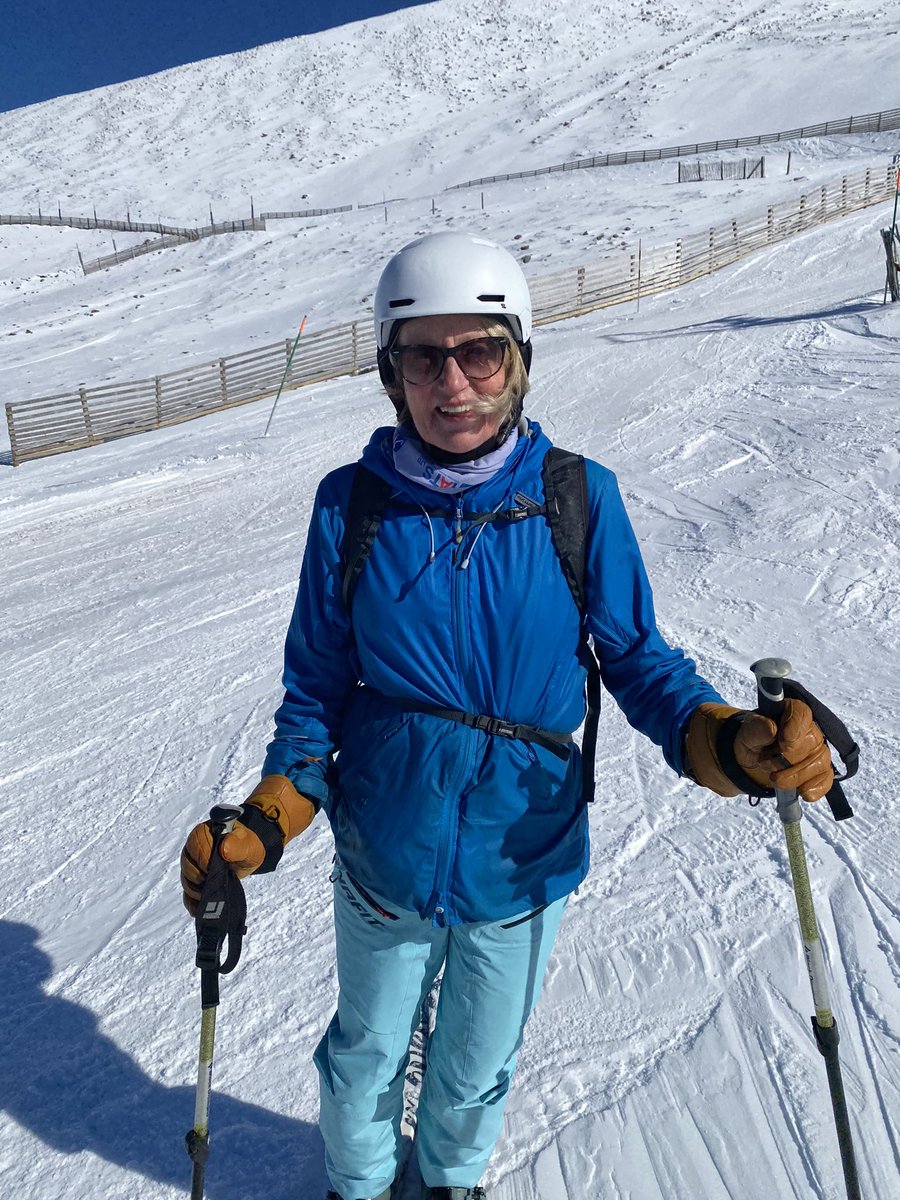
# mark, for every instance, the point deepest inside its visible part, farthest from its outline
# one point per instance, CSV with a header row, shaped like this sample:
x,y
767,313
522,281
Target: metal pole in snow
x,y
285,375
221,918
770,674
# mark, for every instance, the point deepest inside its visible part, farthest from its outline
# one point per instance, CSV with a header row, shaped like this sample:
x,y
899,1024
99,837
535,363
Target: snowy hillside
x,y
752,420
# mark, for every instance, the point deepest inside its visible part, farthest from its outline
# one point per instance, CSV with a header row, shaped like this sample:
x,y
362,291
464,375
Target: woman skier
x,y
435,669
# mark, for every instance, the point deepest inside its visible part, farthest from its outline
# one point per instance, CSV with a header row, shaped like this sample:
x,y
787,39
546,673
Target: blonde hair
x,y
508,399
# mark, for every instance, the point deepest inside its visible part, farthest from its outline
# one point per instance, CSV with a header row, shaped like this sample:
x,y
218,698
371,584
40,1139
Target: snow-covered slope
x,y
399,104
751,418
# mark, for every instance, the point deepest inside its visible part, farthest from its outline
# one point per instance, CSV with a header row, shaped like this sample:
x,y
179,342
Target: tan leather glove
x,y
274,813
791,754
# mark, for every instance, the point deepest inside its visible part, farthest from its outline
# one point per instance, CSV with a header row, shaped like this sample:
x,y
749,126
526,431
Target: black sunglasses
x,y
479,358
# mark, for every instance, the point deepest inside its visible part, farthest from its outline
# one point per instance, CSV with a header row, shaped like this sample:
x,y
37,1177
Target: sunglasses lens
x,y
419,364
481,358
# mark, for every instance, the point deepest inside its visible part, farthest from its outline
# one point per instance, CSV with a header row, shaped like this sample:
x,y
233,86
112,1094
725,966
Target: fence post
x,y
157,388
354,359
678,260
580,289
86,414
770,225
844,195
640,255
12,435
223,384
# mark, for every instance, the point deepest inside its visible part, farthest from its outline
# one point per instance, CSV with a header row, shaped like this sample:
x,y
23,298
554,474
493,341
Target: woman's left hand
x,y
791,754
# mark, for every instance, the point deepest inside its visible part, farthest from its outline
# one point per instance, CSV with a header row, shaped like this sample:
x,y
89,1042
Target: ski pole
x,y
221,915
770,674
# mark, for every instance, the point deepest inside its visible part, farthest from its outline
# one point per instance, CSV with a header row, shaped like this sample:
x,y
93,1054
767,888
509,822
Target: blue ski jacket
x,y
441,818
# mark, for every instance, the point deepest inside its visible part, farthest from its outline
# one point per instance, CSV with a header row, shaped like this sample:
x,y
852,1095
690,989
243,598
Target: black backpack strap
x,y
565,491
369,494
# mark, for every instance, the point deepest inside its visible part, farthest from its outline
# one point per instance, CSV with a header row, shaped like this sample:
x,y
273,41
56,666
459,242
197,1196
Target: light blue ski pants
x,y
493,971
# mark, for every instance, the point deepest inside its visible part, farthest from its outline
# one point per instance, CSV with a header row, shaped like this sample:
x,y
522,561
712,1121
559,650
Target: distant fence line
x,y
73,420
306,212
175,235
869,123
380,203
150,247
95,222
703,172
172,235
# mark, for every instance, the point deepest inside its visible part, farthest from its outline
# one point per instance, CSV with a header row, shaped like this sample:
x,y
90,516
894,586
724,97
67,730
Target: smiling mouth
x,y
456,410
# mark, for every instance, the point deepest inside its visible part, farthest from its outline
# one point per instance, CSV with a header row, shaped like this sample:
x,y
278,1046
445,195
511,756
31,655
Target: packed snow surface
x,y
751,418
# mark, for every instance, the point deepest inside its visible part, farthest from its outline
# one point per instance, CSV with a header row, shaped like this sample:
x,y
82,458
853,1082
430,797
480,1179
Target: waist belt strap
x,y
559,744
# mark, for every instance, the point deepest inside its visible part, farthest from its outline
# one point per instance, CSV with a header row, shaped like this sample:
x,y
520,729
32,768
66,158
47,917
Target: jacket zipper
x,y
458,605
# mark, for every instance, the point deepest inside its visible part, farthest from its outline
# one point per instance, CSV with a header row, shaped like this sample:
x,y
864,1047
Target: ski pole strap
x,y
836,735
222,917
591,725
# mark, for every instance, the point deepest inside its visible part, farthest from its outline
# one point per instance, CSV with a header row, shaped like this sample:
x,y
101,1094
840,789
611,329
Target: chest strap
x,y
559,744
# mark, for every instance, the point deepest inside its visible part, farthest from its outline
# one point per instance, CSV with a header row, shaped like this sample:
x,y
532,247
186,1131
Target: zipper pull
x,y
458,536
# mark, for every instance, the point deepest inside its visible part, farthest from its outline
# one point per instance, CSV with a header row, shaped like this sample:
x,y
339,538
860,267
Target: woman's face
x,y
441,410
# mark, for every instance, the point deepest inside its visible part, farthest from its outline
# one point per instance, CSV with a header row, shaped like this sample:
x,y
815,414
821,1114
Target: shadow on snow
x,y
72,1087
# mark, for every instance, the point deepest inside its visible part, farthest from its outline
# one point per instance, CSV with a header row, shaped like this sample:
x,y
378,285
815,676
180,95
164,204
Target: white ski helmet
x,y
446,273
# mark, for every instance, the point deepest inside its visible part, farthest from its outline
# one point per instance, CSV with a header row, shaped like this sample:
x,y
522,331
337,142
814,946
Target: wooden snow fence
x,y
878,122
74,420
256,224
115,226
54,424
649,271
721,169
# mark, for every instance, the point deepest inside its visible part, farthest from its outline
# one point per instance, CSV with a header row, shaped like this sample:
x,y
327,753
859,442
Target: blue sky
x,y
52,47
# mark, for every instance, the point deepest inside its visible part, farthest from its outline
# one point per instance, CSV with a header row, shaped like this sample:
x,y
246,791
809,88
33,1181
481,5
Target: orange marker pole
x,y
285,375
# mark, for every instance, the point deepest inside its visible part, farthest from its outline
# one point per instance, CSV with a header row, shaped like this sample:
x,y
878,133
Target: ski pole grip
x,y
222,818
770,676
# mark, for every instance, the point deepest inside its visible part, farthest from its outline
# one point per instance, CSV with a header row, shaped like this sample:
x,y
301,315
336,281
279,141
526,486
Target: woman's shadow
x,y
73,1088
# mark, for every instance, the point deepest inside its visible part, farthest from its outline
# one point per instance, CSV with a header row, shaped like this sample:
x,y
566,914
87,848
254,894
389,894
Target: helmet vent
x,y
489,298
401,303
